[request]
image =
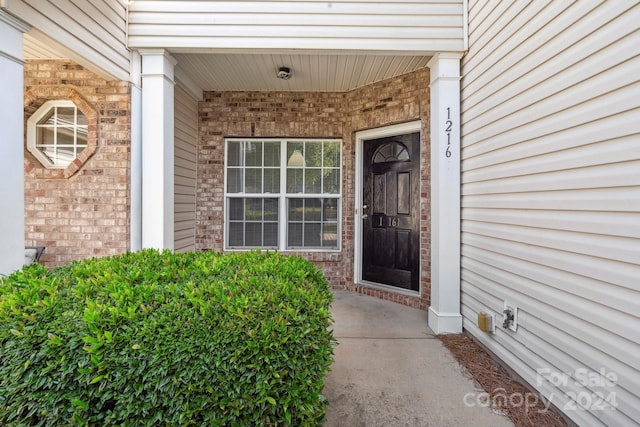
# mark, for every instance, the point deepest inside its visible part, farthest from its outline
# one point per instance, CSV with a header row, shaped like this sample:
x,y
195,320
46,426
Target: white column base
x,y
445,323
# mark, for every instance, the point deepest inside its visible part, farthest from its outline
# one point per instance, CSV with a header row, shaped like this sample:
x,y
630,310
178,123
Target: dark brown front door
x,y
390,211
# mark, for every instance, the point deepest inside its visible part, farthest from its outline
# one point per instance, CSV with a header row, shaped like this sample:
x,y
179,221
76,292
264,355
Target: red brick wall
x,y
321,115
83,211
398,100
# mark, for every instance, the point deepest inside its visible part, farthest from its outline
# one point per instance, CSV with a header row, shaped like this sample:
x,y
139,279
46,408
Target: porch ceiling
x,y
317,72
310,72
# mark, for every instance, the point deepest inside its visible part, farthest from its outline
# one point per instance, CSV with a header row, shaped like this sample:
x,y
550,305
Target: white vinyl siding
x,y
185,151
551,194
425,26
93,30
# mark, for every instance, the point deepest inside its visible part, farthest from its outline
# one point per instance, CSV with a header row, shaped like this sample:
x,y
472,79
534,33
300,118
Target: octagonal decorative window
x,y
57,133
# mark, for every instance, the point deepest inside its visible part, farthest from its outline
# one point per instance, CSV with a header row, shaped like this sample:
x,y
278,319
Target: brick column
x,y
444,313
157,149
12,142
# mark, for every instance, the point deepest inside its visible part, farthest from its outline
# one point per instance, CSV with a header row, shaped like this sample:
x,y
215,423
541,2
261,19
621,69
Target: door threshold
x,y
388,288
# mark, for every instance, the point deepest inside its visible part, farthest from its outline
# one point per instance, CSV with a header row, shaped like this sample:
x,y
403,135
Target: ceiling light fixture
x,y
284,73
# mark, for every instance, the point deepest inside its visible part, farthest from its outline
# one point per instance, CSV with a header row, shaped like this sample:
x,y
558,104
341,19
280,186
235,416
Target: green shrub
x,y
155,338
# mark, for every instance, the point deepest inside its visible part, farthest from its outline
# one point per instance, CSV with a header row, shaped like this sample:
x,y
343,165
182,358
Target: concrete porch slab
x,y
391,370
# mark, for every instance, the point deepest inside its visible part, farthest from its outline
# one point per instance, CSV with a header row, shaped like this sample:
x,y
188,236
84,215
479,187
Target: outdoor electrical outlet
x,y
510,316
486,322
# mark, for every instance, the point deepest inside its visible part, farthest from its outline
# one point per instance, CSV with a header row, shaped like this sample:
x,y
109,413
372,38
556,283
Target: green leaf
x,y
90,340
80,404
97,379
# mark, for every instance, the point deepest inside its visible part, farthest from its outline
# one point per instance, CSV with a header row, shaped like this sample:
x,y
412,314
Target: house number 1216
x,y
448,124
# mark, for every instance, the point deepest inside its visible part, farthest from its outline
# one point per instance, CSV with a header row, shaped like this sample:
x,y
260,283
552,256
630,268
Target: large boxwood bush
x,y
155,338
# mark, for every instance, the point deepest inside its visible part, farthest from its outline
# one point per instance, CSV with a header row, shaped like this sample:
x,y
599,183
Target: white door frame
x,y
361,137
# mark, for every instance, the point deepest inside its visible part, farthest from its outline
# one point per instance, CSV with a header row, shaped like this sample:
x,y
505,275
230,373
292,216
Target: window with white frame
x,y
57,133
282,194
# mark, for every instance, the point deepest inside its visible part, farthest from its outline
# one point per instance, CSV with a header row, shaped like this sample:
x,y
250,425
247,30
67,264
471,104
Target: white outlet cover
x,y
492,323
514,325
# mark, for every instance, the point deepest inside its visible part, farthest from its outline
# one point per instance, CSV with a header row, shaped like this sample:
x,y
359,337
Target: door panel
x,y
391,240
382,250
403,248
404,193
379,194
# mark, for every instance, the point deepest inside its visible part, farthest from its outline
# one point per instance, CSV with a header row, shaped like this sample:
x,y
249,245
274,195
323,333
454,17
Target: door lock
x,y
364,215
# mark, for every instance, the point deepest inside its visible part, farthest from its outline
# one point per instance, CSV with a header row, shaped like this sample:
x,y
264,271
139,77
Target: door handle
x,y
365,216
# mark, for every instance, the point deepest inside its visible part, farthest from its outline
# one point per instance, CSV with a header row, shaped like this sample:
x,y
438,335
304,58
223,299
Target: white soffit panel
x,y
310,72
36,49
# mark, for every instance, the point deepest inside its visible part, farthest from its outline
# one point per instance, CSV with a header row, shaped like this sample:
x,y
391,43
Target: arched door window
x,y
391,152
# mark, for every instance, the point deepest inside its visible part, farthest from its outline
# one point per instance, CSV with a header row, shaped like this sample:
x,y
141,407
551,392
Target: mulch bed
x,y
507,396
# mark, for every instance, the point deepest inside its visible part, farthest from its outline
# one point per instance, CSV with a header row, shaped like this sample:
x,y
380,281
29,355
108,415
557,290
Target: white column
x,y
135,214
444,313
12,143
157,149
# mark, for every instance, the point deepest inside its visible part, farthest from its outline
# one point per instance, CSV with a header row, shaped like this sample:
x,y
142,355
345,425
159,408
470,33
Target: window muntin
x,y
253,167
253,222
391,152
312,223
313,167
57,133
283,194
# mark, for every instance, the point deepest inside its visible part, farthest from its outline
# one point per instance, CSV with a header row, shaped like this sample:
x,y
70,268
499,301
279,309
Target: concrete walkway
x,y
390,370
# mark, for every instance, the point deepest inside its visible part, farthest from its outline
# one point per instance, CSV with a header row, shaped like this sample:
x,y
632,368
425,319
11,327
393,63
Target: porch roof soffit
x,y
310,71
233,70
